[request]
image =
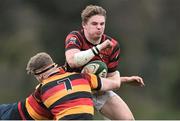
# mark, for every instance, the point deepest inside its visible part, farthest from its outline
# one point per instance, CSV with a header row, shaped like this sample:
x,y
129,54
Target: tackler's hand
x,y
134,80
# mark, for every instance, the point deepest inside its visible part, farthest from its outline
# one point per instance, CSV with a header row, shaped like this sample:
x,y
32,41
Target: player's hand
x,y
134,80
106,44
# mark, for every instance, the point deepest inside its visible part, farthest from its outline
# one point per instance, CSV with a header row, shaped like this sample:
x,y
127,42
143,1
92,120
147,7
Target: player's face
x,y
95,26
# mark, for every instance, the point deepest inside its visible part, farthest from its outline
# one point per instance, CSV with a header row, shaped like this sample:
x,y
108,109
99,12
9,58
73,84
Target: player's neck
x,y
93,41
50,73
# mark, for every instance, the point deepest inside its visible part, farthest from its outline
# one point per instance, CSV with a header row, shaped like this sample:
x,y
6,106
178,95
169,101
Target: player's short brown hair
x,y
90,11
39,63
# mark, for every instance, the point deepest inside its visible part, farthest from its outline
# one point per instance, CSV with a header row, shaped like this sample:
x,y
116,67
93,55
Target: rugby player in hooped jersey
x,y
60,95
67,95
90,44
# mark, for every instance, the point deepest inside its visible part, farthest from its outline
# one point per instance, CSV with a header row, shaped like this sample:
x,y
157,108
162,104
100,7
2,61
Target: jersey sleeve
x,y
72,41
36,108
94,81
114,58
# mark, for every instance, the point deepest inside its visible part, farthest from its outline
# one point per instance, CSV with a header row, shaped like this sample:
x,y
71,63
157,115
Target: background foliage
x,y
147,30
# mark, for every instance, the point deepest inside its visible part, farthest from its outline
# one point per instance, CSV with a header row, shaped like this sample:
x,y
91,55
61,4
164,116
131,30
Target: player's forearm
x,y
77,58
133,80
108,84
114,75
83,57
112,81
124,79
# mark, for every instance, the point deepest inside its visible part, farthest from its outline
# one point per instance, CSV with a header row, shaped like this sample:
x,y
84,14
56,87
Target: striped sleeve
x,y
36,110
95,81
35,107
72,41
114,58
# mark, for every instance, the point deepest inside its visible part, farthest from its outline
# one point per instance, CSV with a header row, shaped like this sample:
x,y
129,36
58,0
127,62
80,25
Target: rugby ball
x,y
96,67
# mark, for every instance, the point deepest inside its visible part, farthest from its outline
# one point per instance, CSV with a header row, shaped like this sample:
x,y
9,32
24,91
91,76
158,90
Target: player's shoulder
x,y
74,36
76,32
105,37
112,39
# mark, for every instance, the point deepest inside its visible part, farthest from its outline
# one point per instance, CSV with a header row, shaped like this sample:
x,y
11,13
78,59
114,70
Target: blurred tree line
x,y
147,30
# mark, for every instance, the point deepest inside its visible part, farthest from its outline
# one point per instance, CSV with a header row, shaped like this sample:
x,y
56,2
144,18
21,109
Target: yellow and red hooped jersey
x,y
68,96
33,109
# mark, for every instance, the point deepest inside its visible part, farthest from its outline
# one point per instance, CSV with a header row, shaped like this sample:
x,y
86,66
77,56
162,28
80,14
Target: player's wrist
x,y
99,47
95,50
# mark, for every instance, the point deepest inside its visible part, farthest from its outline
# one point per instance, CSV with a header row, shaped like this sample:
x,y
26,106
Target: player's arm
x,y
101,84
77,58
133,80
114,75
109,84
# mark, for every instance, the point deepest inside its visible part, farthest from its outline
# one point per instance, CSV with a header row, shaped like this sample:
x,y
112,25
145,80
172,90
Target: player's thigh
x,y
116,109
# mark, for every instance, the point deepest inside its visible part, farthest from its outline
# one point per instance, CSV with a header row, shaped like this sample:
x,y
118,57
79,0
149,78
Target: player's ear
x,y
83,25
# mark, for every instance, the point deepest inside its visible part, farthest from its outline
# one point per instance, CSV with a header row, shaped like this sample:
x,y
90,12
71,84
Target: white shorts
x,y
100,98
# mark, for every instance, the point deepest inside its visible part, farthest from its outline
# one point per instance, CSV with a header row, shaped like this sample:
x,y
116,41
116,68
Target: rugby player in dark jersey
x,y
90,44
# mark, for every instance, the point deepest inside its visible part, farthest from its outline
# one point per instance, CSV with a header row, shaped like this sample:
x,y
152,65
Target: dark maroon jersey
x,y
77,40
